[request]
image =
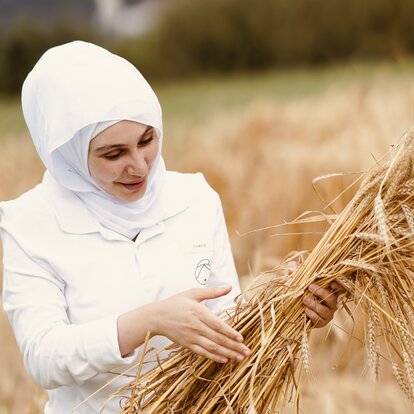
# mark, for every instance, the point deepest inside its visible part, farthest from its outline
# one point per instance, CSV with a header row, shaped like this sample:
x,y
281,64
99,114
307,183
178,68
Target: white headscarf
x,y
74,92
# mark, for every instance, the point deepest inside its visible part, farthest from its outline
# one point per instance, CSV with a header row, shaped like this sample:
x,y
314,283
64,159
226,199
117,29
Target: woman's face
x,y
121,157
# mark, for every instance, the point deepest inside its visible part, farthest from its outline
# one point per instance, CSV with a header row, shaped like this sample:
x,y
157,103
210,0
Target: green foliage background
x,y
195,37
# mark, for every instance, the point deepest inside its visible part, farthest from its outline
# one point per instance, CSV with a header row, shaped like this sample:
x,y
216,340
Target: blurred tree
x,y
238,35
193,37
23,45
44,11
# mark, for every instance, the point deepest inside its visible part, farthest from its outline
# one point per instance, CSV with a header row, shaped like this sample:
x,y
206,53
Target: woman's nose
x,y
137,164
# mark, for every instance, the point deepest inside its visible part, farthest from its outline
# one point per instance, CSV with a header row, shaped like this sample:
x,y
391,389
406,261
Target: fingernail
x,y
306,300
239,338
223,360
240,357
225,287
312,288
246,352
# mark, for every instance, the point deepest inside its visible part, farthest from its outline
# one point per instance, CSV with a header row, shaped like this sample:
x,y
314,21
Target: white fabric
x,y
73,93
66,279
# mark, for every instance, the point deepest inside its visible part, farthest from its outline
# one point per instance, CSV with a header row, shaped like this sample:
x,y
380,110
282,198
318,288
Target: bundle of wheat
x,y
369,249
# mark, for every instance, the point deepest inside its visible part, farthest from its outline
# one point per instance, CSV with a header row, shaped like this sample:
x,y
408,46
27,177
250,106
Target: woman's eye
x,y
112,156
146,141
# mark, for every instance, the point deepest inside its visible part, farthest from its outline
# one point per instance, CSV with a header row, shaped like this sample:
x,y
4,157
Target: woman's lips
x,y
136,185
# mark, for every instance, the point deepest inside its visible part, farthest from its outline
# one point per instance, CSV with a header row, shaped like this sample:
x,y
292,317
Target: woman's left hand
x,y
322,305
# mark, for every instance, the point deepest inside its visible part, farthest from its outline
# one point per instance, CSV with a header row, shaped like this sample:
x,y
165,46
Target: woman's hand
x,y
183,319
322,305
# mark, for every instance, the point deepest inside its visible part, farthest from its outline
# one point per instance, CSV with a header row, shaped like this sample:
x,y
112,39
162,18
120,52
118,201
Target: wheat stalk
x,y
369,248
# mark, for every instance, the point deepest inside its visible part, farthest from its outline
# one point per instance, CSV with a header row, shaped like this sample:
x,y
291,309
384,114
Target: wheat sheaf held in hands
x,y
369,249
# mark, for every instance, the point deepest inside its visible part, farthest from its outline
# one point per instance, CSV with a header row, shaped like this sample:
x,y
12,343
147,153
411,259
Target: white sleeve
x,y
55,352
223,269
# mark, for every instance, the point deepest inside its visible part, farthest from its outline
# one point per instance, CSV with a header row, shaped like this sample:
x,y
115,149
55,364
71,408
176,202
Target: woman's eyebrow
x,y
147,129
109,147
113,146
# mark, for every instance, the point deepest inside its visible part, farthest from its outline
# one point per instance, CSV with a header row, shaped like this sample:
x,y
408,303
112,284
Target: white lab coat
x,y
67,278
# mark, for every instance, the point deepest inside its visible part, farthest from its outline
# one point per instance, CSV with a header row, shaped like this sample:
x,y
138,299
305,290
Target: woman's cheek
x,y
110,171
152,157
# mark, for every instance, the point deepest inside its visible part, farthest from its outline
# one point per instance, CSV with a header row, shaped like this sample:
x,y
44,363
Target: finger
x,y
337,287
200,294
317,321
218,350
227,343
217,343
328,297
219,326
201,351
319,308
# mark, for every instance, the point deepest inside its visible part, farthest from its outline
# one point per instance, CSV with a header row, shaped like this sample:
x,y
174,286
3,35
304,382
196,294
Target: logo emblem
x,y
202,271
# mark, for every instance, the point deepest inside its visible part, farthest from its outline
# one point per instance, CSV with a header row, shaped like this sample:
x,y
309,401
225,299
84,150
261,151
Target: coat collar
x,y
74,217
71,214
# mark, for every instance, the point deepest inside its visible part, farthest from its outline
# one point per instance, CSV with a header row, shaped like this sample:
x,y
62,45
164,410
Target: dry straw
x,y
369,248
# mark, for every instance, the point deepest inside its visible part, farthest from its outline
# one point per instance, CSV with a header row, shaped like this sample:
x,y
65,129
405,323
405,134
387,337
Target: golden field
x,y
262,157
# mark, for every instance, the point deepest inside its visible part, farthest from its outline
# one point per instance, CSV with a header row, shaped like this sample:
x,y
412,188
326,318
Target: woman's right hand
x,y
183,319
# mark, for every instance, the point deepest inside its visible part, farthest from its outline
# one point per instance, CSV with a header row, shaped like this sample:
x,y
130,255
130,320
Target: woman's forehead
x,y
120,133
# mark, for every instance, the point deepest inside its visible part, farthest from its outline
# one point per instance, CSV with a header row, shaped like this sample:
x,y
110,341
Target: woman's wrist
x,y
134,325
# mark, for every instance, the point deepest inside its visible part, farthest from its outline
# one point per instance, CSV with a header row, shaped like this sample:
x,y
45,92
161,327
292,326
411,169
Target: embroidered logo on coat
x,y
202,271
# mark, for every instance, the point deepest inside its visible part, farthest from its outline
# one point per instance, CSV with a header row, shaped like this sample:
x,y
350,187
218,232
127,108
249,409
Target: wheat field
x,y
262,159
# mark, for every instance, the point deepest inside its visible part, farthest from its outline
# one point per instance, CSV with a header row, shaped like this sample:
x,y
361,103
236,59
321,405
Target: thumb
x,y
210,293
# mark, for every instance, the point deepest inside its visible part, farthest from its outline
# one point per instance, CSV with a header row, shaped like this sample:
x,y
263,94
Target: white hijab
x,y
74,92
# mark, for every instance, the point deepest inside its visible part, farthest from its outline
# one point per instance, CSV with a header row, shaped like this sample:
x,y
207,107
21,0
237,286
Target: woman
x,y
110,245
